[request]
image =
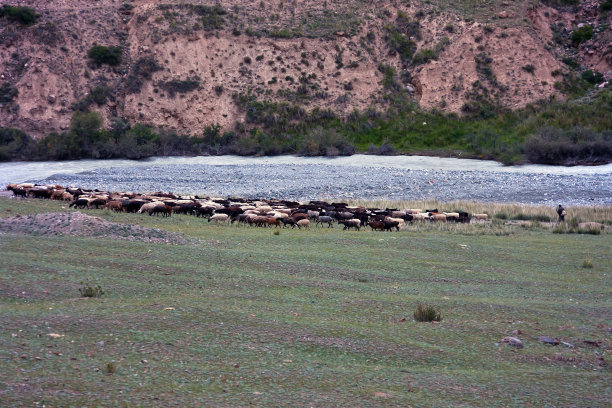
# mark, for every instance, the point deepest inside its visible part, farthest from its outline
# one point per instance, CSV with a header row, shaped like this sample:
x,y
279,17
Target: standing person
x,y
562,213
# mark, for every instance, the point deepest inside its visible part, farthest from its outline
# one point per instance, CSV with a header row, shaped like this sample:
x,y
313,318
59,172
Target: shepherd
x,y
562,213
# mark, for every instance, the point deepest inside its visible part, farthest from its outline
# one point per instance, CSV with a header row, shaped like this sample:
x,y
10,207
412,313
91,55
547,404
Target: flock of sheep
x,y
260,213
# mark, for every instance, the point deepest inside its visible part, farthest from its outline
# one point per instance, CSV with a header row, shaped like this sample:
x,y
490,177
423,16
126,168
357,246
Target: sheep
x,y
66,196
148,207
79,203
325,219
57,194
397,214
420,216
303,223
114,205
590,226
351,223
218,218
414,211
313,214
438,217
274,221
400,221
452,216
377,225
481,217
389,225
96,202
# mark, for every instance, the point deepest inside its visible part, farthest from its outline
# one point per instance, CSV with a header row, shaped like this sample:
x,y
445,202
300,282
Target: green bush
x,y
15,144
426,313
569,146
582,34
592,77
101,54
20,14
91,291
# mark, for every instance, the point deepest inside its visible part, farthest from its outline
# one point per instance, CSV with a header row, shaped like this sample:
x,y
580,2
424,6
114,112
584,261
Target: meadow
x,y
243,316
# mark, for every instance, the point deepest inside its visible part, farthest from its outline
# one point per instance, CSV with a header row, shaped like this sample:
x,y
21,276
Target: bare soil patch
x,y
83,225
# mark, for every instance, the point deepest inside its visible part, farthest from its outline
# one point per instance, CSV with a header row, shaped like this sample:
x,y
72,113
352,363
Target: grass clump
x,y
110,368
91,291
587,263
427,313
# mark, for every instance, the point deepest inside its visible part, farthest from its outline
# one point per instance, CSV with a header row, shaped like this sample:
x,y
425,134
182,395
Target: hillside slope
x,y
316,54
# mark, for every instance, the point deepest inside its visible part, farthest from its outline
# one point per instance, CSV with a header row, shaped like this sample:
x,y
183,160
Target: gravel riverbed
x,y
368,177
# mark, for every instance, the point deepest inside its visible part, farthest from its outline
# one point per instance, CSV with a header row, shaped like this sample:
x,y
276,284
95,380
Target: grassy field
x,y
242,316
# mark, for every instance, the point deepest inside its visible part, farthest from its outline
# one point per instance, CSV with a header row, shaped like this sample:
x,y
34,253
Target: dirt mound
x,y
79,224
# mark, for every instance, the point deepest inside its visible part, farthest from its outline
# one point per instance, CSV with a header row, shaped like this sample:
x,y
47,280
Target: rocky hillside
x,y
183,65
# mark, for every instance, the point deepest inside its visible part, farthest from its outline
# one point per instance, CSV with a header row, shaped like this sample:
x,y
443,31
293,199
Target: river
x,y
306,178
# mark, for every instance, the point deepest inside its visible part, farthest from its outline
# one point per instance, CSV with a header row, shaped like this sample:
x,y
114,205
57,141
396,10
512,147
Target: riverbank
x,y
341,178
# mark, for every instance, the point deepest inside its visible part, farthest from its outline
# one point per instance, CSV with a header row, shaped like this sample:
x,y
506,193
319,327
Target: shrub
x,y
22,15
15,144
180,86
91,291
592,77
426,313
570,62
582,34
7,92
143,69
101,54
247,60
531,217
529,68
569,146
423,56
110,368
587,263
606,6
212,16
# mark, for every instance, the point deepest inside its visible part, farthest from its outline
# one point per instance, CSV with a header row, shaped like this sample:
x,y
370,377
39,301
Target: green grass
x,y
303,318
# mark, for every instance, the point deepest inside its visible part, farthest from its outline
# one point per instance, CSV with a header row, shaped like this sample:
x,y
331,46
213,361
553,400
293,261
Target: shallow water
x,y
305,178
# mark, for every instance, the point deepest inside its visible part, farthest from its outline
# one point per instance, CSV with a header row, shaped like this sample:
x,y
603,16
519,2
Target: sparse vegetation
x,y
211,16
